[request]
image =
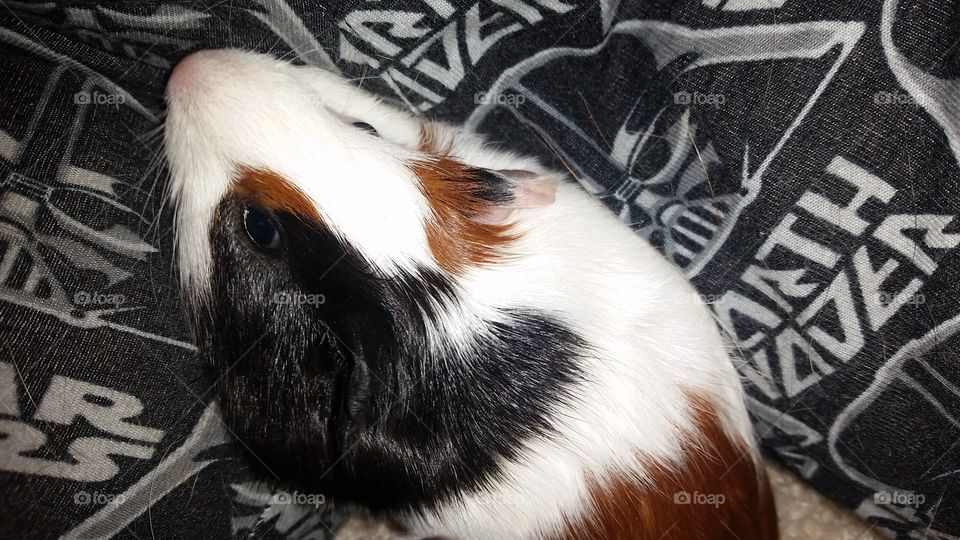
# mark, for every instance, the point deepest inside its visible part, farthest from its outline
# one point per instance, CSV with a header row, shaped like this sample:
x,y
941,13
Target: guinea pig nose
x,y
191,70
184,72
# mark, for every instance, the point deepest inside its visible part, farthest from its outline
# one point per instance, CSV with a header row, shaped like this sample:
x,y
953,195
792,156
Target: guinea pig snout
x,y
189,71
202,71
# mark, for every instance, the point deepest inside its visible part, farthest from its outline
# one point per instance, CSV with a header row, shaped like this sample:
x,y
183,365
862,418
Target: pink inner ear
x,y
531,191
534,193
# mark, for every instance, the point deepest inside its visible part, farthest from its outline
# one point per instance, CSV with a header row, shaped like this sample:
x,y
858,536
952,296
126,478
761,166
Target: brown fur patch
x,y
626,508
456,241
270,190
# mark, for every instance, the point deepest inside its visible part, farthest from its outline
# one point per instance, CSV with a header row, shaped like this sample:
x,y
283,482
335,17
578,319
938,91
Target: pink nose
x,y
190,71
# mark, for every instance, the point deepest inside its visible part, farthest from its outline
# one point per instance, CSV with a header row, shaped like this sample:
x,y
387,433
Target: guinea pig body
x,y
403,317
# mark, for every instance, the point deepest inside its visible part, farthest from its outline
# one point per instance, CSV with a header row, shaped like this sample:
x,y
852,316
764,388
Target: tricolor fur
x,y
494,357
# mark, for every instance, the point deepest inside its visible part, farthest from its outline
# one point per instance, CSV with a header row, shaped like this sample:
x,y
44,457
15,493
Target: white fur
x,y
229,108
649,334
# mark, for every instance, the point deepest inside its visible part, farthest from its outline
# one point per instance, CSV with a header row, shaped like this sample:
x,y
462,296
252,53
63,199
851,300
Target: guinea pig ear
x,y
518,189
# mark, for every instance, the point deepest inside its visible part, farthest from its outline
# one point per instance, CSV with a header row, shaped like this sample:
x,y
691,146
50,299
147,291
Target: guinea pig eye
x,y
261,228
366,127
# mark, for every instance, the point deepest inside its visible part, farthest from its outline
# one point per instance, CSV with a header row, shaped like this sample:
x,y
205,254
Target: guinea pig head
x,y
321,235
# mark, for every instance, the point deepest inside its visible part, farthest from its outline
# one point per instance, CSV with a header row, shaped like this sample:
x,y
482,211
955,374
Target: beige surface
x,y
804,514
361,528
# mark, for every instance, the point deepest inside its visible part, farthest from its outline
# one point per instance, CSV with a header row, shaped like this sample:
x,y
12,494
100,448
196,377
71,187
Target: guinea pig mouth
x,y
352,400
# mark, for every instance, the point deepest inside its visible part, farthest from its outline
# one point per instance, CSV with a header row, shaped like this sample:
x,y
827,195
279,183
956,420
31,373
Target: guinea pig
x,y
403,317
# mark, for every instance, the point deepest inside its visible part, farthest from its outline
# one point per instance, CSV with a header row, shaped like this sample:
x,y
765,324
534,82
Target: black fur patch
x,y
492,186
338,394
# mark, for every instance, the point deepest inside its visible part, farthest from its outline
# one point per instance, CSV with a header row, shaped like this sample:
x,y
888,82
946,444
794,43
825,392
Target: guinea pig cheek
x,y
260,331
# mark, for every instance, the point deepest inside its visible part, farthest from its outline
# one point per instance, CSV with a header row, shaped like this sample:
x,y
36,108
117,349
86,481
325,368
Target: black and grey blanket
x,y
800,161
